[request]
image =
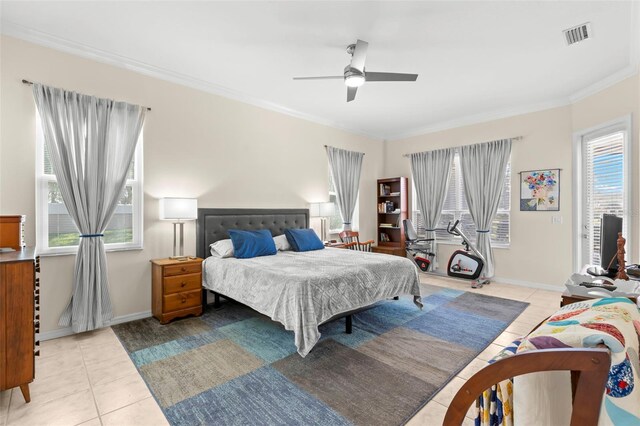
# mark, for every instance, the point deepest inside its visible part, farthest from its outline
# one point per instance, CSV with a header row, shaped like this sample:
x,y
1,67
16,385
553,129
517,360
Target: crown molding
x,y
479,118
88,52
78,49
605,83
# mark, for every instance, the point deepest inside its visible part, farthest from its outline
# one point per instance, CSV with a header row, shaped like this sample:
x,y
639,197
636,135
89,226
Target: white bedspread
x,y
302,290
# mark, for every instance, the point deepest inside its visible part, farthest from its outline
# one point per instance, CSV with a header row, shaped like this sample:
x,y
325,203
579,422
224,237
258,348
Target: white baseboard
x,y
67,331
530,284
521,283
54,334
61,332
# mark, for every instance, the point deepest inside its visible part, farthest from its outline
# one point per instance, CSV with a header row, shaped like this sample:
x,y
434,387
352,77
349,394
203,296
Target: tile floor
x,y
88,379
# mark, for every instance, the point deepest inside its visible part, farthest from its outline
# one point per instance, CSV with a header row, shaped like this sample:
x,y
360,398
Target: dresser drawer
x,y
177,301
187,268
180,283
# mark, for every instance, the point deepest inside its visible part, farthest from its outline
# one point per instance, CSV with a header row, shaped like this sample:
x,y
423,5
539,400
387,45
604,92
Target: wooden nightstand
x,y
176,288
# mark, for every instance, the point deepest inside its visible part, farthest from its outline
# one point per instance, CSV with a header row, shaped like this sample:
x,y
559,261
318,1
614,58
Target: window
x,y
335,221
603,186
455,208
56,231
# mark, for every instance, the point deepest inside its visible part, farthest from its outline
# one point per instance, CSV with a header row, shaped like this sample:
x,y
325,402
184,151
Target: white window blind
x,y
455,208
604,186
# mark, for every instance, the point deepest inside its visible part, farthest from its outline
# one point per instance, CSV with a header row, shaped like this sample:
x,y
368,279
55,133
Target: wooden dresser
x,y
19,319
12,231
176,288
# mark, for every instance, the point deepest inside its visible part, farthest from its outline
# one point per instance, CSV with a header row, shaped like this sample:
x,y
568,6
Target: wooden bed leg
x,y
349,324
216,300
396,298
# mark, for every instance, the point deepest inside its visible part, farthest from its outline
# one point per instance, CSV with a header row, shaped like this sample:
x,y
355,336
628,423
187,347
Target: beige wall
x,y
231,154
223,152
613,103
540,252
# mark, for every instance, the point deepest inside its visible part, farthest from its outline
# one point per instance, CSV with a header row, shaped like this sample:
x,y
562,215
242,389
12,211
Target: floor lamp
x,y
178,210
323,211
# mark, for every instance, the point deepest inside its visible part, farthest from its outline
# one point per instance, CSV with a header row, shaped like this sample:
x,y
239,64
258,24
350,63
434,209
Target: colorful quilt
x,y
613,323
495,406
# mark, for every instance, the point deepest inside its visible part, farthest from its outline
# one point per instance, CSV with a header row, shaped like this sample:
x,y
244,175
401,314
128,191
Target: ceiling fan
x,y
355,74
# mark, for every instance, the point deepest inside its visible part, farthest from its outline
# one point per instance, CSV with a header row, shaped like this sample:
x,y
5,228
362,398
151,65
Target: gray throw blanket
x,y
303,290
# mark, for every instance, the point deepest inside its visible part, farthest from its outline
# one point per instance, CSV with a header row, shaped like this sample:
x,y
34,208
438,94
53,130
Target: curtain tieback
x,y
346,223
483,232
431,230
91,235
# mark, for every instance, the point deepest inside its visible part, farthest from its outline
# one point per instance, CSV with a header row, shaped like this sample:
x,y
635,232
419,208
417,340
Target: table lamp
x,y
322,210
178,210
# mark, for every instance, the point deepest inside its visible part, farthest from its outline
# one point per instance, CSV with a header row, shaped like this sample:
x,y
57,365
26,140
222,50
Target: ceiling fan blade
x,y
359,55
351,93
389,76
328,77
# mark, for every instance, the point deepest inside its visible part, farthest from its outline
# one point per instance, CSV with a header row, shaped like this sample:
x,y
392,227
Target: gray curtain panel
x,y
91,142
430,174
345,171
483,172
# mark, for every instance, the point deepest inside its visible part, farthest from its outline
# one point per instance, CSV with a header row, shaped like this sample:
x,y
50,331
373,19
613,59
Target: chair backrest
x,y
349,237
410,233
352,241
589,369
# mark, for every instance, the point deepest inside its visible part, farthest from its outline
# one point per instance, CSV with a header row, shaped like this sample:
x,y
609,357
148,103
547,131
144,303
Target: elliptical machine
x,y
468,263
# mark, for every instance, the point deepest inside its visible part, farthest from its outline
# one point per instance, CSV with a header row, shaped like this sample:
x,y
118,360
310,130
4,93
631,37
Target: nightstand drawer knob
x,y
183,269
183,283
184,300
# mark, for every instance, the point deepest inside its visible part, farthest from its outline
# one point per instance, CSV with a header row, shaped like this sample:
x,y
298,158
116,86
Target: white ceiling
x,y
476,60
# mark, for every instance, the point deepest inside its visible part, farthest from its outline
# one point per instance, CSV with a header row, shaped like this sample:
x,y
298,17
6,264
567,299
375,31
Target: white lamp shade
x,y
178,208
327,209
322,209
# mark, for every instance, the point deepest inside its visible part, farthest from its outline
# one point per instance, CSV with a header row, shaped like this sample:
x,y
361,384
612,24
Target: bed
x,y
299,290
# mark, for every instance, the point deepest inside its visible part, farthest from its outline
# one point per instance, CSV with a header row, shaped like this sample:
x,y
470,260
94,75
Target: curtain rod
x,y
30,83
515,138
327,146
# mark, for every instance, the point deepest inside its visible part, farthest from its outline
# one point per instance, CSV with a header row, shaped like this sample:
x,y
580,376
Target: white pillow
x,y
282,243
223,248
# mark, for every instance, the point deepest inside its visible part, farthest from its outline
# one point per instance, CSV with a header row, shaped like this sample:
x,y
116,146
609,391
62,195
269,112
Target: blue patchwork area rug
x,y
233,366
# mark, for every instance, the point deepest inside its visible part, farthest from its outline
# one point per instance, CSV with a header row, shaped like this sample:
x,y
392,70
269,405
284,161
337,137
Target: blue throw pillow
x,y
303,239
248,244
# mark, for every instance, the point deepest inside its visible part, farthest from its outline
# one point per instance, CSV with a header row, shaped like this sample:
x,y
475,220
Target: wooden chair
x,y
589,371
352,241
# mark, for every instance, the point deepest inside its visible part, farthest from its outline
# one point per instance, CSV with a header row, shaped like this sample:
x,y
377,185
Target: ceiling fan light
x,y
354,80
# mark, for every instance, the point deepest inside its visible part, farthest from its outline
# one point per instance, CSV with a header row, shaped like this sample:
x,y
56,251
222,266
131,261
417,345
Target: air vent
x,y
577,34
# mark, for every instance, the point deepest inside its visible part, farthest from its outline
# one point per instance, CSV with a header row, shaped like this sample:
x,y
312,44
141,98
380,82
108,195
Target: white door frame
x,y
620,124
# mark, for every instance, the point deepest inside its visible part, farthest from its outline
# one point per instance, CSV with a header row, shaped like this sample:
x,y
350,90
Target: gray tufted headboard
x,y
213,224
